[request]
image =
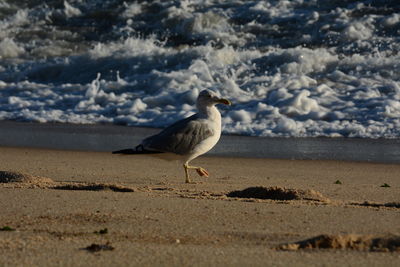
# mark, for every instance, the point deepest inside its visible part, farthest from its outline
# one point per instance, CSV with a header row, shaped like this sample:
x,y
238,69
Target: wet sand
x,y
106,137
72,208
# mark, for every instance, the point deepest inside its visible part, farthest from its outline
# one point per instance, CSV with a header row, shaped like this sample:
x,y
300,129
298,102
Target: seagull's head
x,y
210,98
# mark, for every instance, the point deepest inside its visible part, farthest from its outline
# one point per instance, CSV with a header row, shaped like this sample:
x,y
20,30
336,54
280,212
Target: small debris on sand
x,y
7,228
102,231
99,247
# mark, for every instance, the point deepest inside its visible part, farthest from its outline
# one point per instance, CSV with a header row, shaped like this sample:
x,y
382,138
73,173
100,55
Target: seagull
x,y
189,138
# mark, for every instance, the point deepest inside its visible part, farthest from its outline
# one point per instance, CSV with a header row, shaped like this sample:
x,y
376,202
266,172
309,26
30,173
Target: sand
x,y
70,208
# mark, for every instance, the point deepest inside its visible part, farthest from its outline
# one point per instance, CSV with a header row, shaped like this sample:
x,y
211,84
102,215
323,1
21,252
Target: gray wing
x,y
181,137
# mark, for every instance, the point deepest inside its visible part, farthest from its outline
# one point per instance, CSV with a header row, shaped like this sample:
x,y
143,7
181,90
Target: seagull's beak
x,y
224,101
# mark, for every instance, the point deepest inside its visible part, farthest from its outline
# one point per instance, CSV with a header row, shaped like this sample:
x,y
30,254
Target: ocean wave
x,y
291,68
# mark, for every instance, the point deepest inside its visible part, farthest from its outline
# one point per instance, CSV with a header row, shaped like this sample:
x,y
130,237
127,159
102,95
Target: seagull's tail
x,y
137,150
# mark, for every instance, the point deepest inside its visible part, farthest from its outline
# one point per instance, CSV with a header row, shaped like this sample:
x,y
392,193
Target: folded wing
x,y
181,137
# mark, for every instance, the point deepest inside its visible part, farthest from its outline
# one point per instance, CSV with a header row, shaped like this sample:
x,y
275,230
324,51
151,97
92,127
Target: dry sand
x,y
68,208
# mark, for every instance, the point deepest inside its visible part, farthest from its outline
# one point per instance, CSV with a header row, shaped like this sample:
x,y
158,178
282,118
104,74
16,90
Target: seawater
x,y
292,68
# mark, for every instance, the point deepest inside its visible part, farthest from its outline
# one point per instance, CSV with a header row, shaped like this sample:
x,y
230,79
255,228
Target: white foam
x,y
287,126
9,49
132,10
290,68
131,46
359,30
241,116
391,20
302,104
71,11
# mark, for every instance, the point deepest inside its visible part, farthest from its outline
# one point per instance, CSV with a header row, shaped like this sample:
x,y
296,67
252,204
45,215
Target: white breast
x,y
213,118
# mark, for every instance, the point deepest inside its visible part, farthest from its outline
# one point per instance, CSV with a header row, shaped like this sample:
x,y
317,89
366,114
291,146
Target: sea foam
x,y
291,68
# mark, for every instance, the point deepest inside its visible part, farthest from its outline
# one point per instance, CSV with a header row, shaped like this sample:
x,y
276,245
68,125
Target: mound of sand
x,y
18,177
278,193
354,242
24,180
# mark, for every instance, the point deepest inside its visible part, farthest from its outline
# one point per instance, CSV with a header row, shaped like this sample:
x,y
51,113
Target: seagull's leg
x,y
185,166
200,170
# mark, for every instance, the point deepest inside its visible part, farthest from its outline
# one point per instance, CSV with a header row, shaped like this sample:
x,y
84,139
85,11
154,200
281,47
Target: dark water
x,y
111,137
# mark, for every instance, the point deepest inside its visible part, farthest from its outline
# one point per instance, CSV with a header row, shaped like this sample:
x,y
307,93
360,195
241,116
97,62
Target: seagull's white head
x,y
209,98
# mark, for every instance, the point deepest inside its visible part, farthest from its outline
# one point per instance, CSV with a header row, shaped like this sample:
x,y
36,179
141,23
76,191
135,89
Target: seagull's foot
x,y
188,181
192,182
202,172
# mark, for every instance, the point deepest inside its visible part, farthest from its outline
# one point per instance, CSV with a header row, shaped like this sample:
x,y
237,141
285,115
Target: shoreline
x,y
113,137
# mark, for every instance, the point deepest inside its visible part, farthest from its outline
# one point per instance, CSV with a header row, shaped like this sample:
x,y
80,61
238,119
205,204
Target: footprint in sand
x,y
278,193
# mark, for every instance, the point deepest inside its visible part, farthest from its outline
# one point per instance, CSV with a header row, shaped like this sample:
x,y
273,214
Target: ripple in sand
x,y
278,193
395,205
353,242
18,177
94,187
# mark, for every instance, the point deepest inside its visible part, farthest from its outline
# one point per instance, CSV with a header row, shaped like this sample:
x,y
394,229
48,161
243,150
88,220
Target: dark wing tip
x,y
125,151
138,150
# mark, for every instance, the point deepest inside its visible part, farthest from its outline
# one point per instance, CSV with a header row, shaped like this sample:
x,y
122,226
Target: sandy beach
x,y
72,208
294,107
